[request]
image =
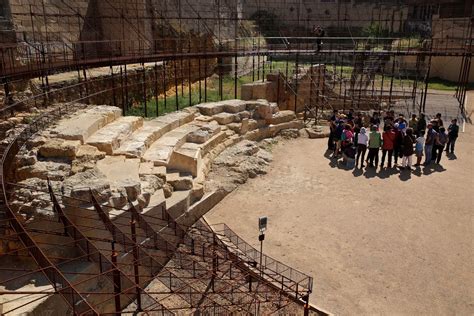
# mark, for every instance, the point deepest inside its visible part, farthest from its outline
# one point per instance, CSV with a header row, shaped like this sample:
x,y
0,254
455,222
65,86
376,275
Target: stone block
x,y
198,137
246,91
264,112
59,148
234,106
132,188
110,137
224,118
245,126
274,107
260,90
179,182
117,200
314,134
282,117
253,124
211,108
87,152
235,127
167,190
245,115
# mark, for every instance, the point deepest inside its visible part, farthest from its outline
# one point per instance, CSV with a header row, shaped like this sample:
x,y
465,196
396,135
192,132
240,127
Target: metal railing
x,y
300,283
24,58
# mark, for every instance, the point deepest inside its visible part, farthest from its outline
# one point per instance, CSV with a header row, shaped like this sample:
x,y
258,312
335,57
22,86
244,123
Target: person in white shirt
x,y
362,142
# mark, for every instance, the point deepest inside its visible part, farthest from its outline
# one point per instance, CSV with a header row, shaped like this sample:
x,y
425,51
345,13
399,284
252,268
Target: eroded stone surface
x,y
82,125
109,138
211,108
224,118
59,148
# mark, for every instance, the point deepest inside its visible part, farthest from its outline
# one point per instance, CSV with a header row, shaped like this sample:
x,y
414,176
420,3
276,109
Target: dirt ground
x,y
376,243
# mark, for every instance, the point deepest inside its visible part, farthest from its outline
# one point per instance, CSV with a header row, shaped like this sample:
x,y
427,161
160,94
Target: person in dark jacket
x,y
407,150
440,142
453,133
421,125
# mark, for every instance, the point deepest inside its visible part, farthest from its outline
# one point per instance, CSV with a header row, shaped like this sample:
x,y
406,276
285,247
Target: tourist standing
x,y
388,138
338,137
358,121
375,142
319,33
420,143
332,130
429,143
408,141
375,120
413,123
362,142
440,142
453,133
421,125
439,120
397,147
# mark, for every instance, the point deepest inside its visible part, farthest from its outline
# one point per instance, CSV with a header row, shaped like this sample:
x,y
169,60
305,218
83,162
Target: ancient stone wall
x,y
331,15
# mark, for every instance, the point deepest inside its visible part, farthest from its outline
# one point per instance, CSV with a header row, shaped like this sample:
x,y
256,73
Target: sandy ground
x,y
376,243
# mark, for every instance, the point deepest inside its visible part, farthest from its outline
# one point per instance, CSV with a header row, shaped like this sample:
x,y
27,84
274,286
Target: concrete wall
x,y
448,68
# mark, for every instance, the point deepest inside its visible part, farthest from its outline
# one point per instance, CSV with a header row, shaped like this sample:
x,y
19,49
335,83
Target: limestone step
x,y
85,123
282,117
141,140
228,106
148,168
110,137
160,151
188,157
178,203
180,181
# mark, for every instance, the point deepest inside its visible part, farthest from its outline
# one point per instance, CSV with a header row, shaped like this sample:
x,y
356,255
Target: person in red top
x,y
388,138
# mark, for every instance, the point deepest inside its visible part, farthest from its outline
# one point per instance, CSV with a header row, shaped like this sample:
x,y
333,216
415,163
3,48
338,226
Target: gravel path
x,y
375,242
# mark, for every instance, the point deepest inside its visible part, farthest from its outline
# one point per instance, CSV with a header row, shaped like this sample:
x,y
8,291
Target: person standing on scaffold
x,y
319,33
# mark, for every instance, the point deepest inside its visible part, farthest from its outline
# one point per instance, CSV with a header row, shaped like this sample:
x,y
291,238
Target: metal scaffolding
x,y
153,57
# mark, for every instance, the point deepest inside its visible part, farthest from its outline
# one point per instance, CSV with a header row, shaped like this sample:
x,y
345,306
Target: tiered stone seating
x,y
87,122
110,137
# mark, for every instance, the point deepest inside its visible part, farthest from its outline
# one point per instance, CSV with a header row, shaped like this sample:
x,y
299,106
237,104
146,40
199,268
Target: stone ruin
x,y
184,162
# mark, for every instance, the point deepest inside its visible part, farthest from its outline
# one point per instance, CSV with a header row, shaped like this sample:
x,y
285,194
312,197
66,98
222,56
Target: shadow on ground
x,y
385,173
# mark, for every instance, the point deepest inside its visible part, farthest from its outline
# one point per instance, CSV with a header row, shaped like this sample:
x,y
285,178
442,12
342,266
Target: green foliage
x,y
375,30
173,103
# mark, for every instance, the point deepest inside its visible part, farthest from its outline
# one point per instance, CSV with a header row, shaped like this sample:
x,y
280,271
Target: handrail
x,y
250,252
156,267
150,232
73,298
105,264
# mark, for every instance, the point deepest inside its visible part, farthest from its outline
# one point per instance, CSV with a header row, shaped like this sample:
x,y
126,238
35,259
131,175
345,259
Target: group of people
x,y
353,135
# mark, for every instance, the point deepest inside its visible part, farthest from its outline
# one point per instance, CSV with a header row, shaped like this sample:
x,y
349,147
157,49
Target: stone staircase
x,y
159,165
141,159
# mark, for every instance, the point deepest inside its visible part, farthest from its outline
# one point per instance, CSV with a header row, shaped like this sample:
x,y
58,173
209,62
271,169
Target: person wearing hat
x,y
431,136
362,142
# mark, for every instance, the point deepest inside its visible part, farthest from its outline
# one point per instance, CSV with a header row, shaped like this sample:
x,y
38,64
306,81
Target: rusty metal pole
x,y
306,305
117,281
112,78
133,230
145,97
